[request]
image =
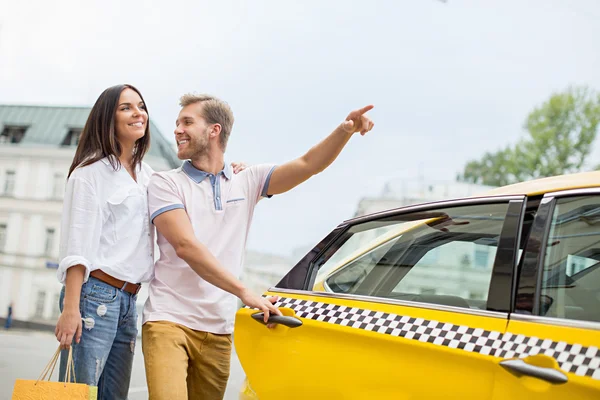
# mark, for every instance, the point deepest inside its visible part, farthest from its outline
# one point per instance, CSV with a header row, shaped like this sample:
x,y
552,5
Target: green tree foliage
x,y
559,138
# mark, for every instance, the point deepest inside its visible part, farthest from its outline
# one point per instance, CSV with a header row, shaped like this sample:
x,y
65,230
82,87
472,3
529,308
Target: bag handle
x,y
49,369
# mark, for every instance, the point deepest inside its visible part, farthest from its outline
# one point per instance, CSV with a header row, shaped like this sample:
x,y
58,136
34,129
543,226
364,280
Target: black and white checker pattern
x,y
574,358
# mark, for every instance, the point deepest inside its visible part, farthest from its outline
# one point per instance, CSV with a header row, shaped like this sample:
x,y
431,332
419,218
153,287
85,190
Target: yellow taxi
x,y
495,296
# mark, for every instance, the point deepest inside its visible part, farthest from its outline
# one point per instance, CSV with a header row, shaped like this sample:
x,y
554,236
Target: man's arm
x,y
175,226
289,175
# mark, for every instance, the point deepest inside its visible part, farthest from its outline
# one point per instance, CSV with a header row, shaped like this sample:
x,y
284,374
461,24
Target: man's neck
x,y
211,163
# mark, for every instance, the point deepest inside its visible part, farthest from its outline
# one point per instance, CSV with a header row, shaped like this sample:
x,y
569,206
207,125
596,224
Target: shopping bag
x,y
43,389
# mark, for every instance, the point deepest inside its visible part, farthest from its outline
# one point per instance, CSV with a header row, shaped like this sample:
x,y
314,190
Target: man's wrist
x,y
343,131
241,292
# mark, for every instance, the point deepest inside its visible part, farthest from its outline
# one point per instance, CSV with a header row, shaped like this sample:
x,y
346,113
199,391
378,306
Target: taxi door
x,y
550,350
400,305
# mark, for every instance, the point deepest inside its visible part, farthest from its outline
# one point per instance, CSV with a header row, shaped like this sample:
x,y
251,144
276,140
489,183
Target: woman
x,y
106,247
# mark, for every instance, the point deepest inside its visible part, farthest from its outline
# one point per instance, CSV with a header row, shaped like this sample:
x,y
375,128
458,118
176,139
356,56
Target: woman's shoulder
x,y
91,170
146,168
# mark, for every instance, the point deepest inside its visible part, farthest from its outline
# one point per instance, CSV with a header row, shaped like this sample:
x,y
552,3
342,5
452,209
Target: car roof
x,y
547,185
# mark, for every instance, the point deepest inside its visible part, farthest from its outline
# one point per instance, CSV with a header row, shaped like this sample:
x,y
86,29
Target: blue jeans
x,y
104,356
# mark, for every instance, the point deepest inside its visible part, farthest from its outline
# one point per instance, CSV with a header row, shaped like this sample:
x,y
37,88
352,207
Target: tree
x,y
559,138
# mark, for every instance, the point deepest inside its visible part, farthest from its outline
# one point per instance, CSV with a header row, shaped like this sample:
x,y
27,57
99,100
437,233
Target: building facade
x,y
37,145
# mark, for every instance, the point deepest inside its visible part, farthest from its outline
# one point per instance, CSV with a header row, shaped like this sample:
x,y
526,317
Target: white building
x,y
37,145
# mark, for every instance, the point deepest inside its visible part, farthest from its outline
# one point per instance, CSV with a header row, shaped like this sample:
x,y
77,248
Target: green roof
x,y
49,125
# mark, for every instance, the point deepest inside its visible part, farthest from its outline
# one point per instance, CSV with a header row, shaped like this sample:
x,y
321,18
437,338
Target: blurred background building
x,y
37,145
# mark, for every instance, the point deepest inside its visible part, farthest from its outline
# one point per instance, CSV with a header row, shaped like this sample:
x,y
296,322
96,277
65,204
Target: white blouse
x,y
105,223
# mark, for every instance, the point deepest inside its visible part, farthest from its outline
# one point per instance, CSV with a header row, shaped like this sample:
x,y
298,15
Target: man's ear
x,y
215,131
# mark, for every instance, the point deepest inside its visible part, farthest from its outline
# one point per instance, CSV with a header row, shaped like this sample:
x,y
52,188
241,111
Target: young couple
x,y
202,212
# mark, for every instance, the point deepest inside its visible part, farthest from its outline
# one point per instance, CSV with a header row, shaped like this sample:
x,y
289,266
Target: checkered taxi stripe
x,y
574,358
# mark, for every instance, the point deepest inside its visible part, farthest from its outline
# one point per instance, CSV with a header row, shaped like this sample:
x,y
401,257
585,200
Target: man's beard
x,y
198,148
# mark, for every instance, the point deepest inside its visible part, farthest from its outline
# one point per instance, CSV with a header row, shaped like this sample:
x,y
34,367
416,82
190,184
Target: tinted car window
x,y
444,257
571,275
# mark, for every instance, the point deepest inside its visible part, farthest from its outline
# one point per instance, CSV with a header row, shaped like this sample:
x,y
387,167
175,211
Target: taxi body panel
x,y
452,299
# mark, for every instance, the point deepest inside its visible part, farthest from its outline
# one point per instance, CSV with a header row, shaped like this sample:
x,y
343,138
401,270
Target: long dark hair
x,y
99,138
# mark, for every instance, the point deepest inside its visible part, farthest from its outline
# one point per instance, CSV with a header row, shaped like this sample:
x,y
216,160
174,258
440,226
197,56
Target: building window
x,y
57,185
9,182
49,240
12,134
39,304
2,236
72,138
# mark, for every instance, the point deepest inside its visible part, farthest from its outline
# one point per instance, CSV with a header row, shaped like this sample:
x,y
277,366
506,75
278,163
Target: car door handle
x,y
522,368
290,322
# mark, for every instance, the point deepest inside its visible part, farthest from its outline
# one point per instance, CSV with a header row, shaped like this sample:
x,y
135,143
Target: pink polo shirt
x,y
220,209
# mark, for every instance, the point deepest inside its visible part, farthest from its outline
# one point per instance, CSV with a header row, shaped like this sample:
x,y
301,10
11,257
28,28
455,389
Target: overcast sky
x,y
449,81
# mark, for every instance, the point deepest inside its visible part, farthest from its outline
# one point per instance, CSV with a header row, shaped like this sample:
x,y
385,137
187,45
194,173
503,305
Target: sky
x,y
449,80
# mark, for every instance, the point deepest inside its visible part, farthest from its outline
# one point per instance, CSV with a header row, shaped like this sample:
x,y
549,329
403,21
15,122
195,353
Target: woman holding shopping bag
x,y
106,244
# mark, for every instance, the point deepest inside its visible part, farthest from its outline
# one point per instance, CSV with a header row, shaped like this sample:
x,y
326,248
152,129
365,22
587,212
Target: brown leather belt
x,y
129,287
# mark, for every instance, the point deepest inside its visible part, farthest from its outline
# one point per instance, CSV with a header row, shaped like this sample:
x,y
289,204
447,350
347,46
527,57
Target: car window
x,y
571,274
443,257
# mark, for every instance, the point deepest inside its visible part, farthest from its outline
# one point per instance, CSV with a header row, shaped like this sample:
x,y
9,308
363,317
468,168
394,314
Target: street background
x,y
24,354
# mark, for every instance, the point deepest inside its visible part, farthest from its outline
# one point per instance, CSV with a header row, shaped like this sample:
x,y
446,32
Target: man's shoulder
x,y
169,174
172,177
256,170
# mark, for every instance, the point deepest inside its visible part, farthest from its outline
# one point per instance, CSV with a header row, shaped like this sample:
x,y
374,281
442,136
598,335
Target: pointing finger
x,y
365,109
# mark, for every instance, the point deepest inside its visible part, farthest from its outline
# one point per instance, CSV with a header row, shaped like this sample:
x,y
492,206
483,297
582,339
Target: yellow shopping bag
x,y
43,389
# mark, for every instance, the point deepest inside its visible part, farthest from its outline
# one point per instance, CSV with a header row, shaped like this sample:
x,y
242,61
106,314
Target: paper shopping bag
x,y
45,390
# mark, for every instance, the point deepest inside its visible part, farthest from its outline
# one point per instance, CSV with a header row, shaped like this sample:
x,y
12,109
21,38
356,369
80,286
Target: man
x,y
202,213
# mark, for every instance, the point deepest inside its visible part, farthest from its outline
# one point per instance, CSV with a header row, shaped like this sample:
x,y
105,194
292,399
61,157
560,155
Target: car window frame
x,y
301,278
530,269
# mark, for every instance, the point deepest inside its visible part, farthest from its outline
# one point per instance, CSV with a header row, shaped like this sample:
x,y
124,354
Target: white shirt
x,y
105,223
220,209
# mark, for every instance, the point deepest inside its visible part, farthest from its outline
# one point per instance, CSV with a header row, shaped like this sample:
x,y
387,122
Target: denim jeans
x,y
104,355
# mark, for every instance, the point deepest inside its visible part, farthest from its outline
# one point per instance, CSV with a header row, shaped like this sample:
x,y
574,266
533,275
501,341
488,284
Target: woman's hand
x,y
68,327
238,166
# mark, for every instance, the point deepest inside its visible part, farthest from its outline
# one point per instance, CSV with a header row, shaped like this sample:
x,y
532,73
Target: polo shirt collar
x,y
198,175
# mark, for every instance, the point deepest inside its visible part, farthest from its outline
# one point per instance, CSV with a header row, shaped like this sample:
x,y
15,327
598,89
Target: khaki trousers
x,y
184,364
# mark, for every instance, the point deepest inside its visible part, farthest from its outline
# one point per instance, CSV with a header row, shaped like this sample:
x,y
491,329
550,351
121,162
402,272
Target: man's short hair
x,y
214,111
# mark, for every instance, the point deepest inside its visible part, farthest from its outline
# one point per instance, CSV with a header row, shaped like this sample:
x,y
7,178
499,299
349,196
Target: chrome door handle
x,y
290,322
520,367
